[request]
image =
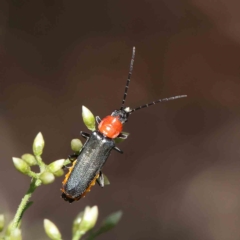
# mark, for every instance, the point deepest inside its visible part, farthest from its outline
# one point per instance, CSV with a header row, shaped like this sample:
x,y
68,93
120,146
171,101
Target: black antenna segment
x,y
145,105
128,79
155,102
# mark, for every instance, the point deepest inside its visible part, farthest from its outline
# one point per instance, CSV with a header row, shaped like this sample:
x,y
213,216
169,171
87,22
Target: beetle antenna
x,y
128,79
155,102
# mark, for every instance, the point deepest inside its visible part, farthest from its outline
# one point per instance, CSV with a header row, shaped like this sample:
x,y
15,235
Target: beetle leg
x,y
98,119
100,179
117,149
65,167
122,136
85,135
73,157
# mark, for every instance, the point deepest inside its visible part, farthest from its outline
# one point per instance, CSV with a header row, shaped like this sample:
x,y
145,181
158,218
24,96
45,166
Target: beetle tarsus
x,y
98,119
122,136
118,150
85,135
100,180
73,157
65,167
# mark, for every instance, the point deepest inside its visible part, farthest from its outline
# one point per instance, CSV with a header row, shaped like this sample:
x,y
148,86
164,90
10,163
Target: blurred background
x,y
179,175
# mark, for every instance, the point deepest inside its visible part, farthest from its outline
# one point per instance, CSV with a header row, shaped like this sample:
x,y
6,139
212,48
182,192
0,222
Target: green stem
x,y
24,203
78,235
40,163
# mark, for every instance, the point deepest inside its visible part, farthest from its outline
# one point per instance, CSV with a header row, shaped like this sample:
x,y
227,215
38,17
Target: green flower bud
x,y
56,165
76,145
9,228
88,118
51,230
89,219
47,177
21,165
2,222
29,159
76,223
16,234
38,145
59,173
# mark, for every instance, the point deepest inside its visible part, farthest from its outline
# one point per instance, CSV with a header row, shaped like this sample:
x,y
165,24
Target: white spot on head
x,y
127,109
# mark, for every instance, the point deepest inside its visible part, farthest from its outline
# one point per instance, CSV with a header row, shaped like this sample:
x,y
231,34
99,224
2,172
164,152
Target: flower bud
x,y
76,145
2,222
89,219
29,159
51,230
8,229
88,118
76,223
16,234
84,222
56,165
21,165
47,177
38,145
59,173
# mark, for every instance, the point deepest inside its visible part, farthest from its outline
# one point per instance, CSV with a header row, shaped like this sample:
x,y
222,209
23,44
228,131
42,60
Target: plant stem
x,y
40,162
24,203
78,235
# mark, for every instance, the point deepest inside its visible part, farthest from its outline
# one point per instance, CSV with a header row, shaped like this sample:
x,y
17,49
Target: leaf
x,y
108,223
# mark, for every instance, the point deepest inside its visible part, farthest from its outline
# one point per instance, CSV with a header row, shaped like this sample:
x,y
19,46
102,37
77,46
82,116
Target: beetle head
x,y
122,115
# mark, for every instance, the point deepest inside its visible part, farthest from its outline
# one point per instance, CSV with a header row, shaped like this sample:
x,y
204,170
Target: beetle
x,y
87,167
